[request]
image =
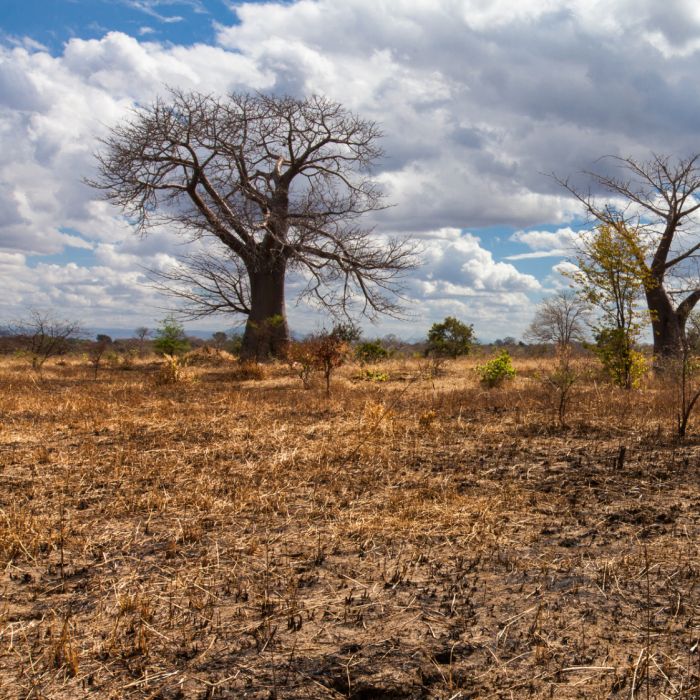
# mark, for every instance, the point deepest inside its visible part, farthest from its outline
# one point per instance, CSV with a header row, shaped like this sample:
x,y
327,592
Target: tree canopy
x,y
450,338
277,184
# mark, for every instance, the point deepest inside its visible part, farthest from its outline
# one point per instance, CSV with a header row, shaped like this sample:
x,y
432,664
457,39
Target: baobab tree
x,y
653,204
278,184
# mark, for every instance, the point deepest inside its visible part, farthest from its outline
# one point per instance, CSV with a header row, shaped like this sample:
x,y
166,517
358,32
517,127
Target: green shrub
x,y
373,375
496,370
623,365
234,344
112,358
370,352
451,338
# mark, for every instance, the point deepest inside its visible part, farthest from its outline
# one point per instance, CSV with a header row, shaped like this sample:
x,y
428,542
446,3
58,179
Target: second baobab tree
x,y
276,184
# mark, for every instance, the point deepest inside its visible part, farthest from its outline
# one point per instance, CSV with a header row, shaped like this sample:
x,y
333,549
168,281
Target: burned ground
x,y
416,538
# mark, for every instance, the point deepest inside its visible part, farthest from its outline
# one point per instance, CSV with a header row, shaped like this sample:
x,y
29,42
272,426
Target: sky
x,y
479,102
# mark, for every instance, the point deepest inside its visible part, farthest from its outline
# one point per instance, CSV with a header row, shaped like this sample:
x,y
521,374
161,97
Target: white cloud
x,y
563,274
151,8
465,265
546,244
461,278
479,103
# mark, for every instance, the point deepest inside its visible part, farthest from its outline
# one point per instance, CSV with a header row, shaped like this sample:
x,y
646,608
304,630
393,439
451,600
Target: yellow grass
x,y
423,537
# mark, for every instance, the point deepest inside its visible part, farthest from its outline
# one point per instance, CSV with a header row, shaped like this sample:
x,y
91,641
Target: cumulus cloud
x,y
479,103
461,278
464,264
546,244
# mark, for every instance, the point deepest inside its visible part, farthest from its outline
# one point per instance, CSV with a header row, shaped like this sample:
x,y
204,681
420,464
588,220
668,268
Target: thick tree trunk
x,y
666,323
266,332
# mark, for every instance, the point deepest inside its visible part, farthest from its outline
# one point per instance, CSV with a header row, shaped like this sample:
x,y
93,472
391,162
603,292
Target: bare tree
x,y
45,336
143,333
559,319
655,199
97,351
279,183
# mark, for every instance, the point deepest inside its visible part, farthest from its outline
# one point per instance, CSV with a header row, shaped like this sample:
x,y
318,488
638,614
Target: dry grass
x,y
225,537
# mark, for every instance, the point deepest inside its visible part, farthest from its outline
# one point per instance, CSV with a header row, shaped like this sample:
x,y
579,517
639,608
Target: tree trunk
x,y
266,332
666,323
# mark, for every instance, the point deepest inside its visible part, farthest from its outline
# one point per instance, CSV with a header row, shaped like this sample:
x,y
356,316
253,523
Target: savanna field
x,y
234,535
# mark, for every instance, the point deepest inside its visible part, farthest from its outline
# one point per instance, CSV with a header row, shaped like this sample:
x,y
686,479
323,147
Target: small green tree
x,y
451,338
170,338
348,332
611,278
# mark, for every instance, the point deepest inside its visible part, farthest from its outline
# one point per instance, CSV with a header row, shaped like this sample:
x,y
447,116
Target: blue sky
x,y
478,103
53,22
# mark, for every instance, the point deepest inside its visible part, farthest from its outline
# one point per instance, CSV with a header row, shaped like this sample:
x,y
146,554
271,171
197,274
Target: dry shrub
x,y
325,352
249,370
427,419
128,360
207,356
62,652
172,371
132,632
559,379
377,418
23,534
303,362
433,366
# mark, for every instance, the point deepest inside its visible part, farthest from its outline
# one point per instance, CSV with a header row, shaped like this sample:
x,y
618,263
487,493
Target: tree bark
x,y
667,325
266,333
